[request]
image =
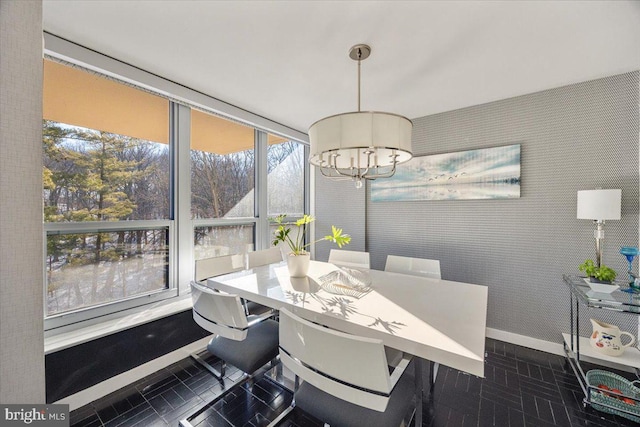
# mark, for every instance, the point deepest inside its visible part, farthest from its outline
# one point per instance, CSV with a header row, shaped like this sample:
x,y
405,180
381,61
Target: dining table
x,y
442,321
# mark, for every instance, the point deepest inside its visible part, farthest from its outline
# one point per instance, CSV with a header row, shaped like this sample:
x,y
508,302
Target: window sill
x,y
57,340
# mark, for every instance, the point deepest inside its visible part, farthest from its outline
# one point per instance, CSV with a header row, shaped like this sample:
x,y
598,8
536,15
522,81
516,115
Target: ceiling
x,y
288,60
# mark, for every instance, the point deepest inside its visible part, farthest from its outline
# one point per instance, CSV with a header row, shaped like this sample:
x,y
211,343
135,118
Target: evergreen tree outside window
x,y
106,195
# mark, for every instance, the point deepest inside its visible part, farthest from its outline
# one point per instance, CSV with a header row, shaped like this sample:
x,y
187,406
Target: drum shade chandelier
x,y
363,144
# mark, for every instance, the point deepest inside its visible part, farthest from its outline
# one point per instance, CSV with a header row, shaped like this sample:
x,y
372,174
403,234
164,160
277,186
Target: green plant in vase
x,y
298,260
601,274
605,274
296,243
588,268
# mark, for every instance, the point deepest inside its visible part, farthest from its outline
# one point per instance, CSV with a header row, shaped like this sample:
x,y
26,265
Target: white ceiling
x,y
288,60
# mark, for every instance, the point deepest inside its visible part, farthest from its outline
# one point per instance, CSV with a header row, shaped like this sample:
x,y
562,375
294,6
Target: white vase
x,y
298,265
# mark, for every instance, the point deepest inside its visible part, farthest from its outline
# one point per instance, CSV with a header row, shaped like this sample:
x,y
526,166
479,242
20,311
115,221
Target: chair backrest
x,y
219,313
343,258
414,266
215,266
349,367
263,257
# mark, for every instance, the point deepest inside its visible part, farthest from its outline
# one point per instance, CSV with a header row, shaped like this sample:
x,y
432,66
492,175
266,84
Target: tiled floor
x,y
523,387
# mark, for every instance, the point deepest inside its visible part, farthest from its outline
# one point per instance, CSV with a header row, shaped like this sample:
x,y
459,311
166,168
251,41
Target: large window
x,y
136,187
222,186
223,190
106,192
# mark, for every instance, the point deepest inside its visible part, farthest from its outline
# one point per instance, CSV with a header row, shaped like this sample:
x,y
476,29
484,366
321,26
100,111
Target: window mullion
x,y
261,191
181,195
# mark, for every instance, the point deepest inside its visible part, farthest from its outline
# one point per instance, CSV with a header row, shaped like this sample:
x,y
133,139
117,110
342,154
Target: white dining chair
x,y
346,380
247,342
215,266
355,259
416,267
263,257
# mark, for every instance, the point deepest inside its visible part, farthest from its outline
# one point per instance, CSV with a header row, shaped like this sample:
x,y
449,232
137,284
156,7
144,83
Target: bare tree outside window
x,y
286,179
219,182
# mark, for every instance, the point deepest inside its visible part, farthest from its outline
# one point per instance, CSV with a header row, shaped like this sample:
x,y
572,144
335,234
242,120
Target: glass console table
x,y
576,347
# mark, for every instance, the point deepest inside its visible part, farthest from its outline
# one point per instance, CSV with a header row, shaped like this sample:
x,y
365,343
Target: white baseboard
x,y
102,389
548,347
525,341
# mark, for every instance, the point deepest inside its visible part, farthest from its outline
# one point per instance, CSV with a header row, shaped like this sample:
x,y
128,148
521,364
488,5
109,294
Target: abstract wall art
x,y
487,173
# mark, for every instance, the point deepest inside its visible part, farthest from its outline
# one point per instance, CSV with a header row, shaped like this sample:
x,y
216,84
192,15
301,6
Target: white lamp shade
x,y
355,133
599,204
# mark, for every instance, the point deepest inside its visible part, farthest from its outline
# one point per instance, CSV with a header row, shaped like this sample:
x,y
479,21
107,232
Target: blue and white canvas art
x,y
488,173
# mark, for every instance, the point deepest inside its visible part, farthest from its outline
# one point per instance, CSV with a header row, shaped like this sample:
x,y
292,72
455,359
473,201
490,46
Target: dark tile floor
x,y
523,387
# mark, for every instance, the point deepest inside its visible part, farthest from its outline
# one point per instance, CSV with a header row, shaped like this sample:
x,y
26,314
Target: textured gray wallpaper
x,y
341,204
577,137
21,284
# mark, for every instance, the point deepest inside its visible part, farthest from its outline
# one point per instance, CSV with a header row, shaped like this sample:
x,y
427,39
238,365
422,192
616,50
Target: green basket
x,y
595,377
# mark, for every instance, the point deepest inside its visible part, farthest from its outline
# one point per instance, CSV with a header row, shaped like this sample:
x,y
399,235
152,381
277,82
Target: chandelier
x,y
360,145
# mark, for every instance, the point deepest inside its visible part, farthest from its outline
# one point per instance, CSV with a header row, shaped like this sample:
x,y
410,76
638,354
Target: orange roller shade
x,y
78,98
216,135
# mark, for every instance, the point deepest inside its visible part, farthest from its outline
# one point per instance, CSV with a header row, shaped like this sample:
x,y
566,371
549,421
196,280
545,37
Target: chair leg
x,y
275,369
218,375
282,416
249,384
185,422
433,373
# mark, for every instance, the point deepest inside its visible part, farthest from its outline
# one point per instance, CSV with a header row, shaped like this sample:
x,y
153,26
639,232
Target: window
x,y
285,162
134,183
106,192
92,175
88,269
214,241
222,186
222,168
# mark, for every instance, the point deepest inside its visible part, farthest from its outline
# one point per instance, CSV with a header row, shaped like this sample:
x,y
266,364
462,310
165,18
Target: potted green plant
x,y
298,259
602,274
605,274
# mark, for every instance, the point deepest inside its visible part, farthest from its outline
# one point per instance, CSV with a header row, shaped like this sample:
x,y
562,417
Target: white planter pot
x,y
298,265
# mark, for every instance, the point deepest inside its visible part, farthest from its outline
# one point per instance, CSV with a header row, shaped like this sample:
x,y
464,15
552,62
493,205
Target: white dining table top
x,y
438,320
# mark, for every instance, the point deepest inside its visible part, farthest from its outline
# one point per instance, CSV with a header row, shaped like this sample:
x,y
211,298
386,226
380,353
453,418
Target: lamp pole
x,y
599,235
